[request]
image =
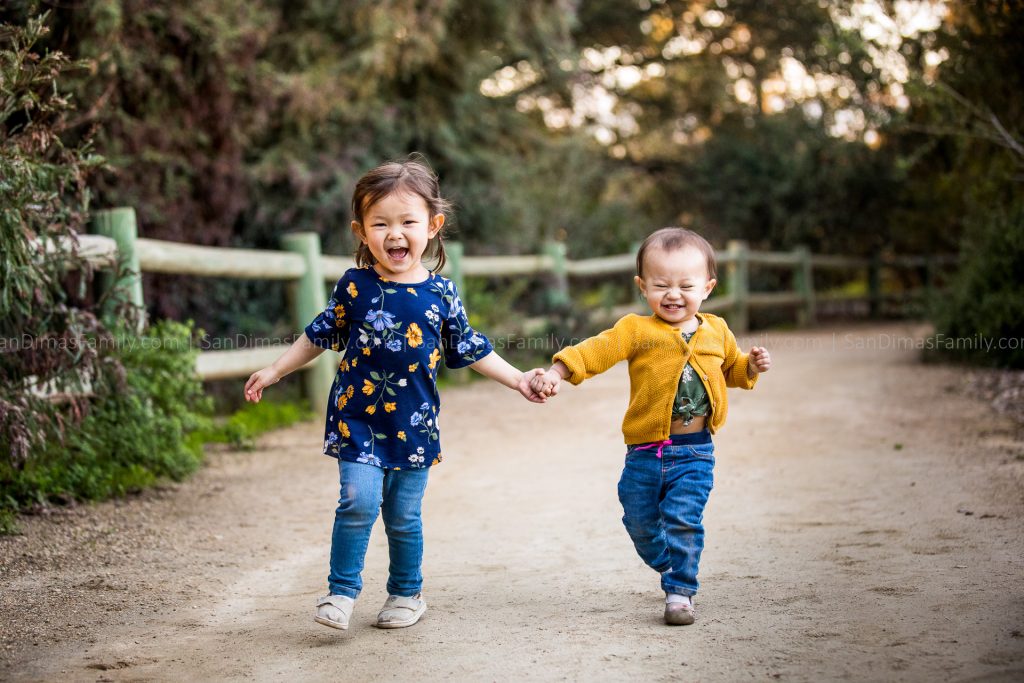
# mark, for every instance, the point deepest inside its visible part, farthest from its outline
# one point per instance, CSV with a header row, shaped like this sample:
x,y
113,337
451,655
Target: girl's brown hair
x,y
412,175
671,239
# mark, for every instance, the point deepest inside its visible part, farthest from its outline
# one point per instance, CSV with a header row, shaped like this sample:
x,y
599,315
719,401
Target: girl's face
x,y
675,283
396,230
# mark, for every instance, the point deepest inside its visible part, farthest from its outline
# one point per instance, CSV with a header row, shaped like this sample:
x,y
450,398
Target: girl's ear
x,y
357,230
436,223
709,287
640,283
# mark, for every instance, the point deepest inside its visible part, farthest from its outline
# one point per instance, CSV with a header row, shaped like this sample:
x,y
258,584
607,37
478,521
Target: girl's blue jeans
x,y
398,496
663,504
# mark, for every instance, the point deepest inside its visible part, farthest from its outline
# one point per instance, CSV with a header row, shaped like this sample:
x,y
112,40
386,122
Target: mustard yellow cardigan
x,y
657,354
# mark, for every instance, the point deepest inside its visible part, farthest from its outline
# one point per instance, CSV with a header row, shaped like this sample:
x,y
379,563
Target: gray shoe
x,y
679,613
334,611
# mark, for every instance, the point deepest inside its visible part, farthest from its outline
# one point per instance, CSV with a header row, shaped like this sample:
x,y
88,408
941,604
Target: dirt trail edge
x,y
866,524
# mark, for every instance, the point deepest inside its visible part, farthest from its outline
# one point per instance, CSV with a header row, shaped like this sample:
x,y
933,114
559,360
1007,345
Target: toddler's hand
x,y
760,361
258,381
525,386
546,383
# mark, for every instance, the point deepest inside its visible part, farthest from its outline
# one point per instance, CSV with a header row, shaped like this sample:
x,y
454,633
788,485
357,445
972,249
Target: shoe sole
x,y
683,619
404,624
333,624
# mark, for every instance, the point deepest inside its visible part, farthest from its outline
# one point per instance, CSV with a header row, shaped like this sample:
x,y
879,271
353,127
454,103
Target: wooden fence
x,y
308,271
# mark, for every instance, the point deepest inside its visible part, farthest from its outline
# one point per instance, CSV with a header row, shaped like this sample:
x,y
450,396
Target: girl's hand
x,y
525,386
760,361
258,381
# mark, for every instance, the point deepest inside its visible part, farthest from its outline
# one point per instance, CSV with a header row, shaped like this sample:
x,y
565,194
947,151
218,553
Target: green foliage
x,y
139,433
43,201
241,428
986,295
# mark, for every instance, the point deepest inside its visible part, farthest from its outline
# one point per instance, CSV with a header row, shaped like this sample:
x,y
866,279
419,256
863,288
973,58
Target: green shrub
x,y
133,434
986,295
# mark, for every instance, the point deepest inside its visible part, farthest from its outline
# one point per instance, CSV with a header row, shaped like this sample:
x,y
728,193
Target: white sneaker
x,y
334,611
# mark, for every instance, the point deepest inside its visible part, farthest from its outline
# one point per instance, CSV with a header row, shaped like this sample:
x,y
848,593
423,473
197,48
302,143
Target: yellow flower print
x,y
343,428
401,435
339,315
435,356
352,291
390,407
351,390
371,409
414,335
342,401
366,350
412,368
436,460
344,367
411,290
368,387
355,362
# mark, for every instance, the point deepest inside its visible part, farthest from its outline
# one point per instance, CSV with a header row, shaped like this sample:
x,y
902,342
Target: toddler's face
x,y
396,230
675,283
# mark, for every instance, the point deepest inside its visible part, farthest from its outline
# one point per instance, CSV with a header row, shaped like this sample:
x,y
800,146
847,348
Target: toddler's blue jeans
x,y
663,502
397,495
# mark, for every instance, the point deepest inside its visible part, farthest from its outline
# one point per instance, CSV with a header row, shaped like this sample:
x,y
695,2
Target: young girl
x,y
680,363
396,321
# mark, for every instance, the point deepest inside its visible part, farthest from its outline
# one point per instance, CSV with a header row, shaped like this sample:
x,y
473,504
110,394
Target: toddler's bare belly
x,y
677,426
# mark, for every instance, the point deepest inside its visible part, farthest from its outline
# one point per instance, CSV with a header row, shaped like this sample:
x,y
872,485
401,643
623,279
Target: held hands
x,y
760,361
525,386
545,383
260,380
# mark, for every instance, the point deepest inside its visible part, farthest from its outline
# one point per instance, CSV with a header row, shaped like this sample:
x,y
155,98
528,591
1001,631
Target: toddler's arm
x,y
298,354
497,368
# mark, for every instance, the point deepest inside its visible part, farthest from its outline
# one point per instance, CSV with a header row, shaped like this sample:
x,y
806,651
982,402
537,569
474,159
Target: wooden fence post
x,y
455,251
558,295
928,278
120,225
875,286
737,276
803,279
308,301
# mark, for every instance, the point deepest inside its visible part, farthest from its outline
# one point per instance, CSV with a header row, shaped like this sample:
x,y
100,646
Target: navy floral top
x,y
384,403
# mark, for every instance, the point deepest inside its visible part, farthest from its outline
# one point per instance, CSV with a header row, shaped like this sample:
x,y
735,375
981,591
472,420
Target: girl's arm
x,y
497,368
298,354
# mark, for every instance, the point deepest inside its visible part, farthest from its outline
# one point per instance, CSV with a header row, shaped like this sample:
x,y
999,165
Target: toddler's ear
x,y
436,223
709,287
357,230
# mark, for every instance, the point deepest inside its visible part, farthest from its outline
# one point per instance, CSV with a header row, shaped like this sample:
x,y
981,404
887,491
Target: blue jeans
x,y
398,495
663,504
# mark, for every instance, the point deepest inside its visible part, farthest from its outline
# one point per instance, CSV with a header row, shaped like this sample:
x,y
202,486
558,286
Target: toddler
x,y
396,321
680,363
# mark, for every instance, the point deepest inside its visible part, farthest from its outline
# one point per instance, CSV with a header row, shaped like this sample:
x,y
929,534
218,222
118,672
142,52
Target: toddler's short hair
x,y
671,239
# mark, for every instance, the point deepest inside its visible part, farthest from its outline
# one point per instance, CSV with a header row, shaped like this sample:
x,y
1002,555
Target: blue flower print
x,y
368,459
394,345
380,319
463,346
416,419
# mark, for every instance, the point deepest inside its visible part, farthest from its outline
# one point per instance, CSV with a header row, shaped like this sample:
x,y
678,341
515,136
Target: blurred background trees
x,y
857,126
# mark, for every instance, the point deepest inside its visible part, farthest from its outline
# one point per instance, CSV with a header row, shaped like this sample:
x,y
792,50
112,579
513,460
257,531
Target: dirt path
x,y
866,525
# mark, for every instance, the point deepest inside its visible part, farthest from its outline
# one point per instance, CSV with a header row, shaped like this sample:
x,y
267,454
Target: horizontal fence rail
x,y
307,271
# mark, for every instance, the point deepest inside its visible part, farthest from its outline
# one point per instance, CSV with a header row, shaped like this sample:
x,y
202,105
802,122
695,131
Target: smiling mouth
x,y
398,253
673,307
